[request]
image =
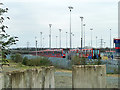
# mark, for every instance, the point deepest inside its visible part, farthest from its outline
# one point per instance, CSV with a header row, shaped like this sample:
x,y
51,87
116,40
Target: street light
x,y
91,36
110,39
66,39
70,23
28,45
50,36
56,41
96,41
84,34
60,37
43,42
104,44
73,39
41,39
36,44
81,32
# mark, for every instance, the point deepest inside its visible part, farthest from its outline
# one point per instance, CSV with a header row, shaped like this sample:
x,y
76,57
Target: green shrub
x,y
17,58
37,62
76,60
25,59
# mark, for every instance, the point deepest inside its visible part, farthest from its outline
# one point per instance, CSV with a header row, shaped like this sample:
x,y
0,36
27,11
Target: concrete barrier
x,y
89,76
32,78
1,81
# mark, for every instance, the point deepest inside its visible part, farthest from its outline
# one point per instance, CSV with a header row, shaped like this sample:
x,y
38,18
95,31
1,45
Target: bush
x,y
17,58
76,60
25,59
37,62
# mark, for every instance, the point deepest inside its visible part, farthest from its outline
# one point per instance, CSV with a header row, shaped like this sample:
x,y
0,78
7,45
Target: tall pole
x,y
101,42
110,39
96,41
66,39
84,34
81,32
41,39
70,23
50,36
43,42
91,36
104,44
36,44
60,37
56,41
73,40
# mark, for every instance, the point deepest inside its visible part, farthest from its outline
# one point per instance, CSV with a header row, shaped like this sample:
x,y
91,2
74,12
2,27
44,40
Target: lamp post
x,y
70,23
73,40
91,36
27,45
50,36
43,42
110,39
81,32
66,39
104,44
96,41
41,39
56,41
36,44
60,37
84,34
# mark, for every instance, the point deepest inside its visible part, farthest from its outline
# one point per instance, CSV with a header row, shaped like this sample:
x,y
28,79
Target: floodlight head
x,y
60,30
40,32
81,17
91,29
70,7
84,24
50,25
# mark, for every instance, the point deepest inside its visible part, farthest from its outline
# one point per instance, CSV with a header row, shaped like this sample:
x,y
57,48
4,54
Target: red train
x,y
87,53
61,53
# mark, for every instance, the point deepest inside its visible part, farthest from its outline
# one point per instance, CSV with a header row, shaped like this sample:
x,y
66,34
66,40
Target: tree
x,y
5,40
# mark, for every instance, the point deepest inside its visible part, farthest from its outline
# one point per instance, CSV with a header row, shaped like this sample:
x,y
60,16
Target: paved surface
x,y
64,80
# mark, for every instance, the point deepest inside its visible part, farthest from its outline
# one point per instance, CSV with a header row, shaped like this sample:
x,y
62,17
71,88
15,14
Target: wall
x,y
89,76
32,78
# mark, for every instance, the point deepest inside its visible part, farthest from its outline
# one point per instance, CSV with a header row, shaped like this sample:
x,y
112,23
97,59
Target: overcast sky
x,y
30,17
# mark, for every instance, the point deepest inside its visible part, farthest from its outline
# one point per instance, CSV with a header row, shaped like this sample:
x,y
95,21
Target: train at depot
x,y
62,53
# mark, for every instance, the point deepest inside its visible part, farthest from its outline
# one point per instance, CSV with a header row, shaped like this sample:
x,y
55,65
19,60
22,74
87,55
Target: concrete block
x,y
89,76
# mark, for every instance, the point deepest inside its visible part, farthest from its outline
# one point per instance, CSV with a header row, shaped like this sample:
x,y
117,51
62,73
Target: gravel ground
x,y
64,80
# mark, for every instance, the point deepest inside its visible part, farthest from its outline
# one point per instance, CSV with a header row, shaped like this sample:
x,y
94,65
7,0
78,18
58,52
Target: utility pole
x,y
70,8
50,36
